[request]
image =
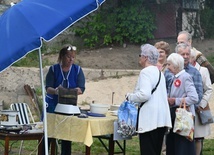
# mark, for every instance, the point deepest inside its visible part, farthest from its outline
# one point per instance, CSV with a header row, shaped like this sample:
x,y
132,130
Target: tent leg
x,y
44,103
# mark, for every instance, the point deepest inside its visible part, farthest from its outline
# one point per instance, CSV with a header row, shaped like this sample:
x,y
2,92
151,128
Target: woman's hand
x,y
51,90
199,108
171,101
57,90
127,96
79,91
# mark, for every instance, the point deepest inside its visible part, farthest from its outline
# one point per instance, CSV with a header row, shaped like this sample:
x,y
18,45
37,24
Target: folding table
x,y
7,137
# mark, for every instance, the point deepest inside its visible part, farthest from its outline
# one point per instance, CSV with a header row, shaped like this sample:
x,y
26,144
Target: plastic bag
x,y
127,119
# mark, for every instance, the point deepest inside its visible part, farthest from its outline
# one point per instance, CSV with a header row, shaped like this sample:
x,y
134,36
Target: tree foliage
x,y
207,21
117,22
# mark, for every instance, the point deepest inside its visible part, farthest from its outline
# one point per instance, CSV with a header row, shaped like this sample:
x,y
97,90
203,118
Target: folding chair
x,y
25,116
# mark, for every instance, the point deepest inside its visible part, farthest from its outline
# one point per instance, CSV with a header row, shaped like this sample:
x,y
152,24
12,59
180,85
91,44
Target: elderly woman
x,y
201,131
182,86
164,51
154,115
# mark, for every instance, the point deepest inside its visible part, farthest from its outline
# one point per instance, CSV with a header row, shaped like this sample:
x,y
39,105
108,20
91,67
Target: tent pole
x,y
44,103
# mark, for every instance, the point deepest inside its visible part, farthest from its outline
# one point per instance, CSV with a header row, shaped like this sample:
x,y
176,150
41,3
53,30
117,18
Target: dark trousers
x,y
176,144
151,142
179,145
50,140
65,147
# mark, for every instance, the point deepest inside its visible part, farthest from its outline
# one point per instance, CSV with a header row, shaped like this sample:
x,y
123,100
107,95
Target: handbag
x,y
205,115
184,123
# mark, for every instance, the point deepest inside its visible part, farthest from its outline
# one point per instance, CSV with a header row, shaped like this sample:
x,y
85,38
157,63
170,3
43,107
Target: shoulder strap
x,y
138,111
157,83
152,89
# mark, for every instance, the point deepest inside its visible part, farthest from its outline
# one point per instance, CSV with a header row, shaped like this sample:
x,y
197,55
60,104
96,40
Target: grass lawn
x,y
132,147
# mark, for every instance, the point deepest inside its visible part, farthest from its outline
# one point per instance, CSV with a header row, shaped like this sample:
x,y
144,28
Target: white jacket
x,y
155,112
207,86
203,130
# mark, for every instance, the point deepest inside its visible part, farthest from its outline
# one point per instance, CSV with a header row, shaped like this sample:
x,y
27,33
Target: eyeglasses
x,y
141,55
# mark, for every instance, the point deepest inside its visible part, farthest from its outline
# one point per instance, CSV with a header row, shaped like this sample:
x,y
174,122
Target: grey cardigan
x,y
185,89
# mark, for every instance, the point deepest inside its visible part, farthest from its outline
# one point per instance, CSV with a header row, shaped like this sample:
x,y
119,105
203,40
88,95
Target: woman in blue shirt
x,y
64,74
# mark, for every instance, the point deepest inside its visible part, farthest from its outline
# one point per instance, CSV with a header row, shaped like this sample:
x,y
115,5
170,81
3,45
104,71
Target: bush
x,y
125,22
207,22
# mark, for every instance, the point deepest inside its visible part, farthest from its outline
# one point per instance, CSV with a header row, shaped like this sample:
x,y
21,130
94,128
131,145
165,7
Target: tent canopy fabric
x,y
26,24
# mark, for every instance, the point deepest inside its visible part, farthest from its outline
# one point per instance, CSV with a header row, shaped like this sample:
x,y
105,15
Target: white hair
x,y
151,52
182,46
193,54
177,61
189,36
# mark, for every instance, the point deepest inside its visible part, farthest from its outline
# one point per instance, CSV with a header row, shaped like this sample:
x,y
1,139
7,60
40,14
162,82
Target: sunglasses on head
x,y
73,48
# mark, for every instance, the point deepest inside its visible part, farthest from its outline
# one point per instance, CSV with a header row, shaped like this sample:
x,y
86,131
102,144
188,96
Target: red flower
x,y
177,83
